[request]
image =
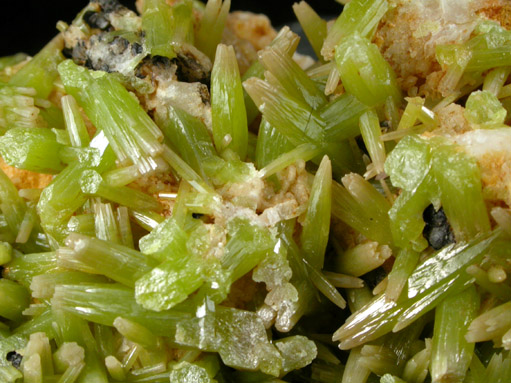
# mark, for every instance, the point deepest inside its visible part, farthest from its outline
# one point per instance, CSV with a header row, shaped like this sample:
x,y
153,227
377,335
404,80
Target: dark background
x,y
27,25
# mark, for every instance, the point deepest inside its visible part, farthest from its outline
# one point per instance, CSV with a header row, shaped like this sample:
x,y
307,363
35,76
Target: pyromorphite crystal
x,y
32,149
364,72
484,110
238,336
170,283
